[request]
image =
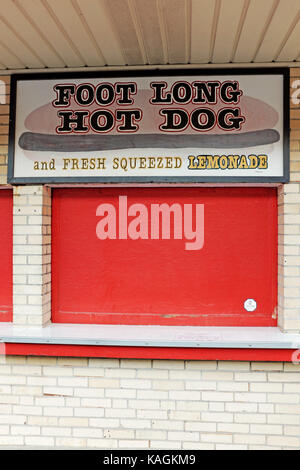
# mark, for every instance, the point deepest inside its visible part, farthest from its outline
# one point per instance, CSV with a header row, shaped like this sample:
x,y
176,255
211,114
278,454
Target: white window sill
x,y
151,336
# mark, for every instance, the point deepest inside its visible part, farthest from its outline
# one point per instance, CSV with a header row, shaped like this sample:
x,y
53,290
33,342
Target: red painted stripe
x,y
136,352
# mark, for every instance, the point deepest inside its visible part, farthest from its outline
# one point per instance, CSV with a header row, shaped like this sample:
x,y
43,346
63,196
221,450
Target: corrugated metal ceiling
x,y
39,34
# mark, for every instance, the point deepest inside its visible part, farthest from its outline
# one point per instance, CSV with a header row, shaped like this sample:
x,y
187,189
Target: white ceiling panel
x,y
176,24
149,23
226,32
256,20
69,15
98,20
202,12
30,33
10,37
59,34
291,49
47,24
127,31
9,58
279,27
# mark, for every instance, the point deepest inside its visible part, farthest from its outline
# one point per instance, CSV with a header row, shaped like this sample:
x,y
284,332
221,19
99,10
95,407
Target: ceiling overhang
x,y
45,35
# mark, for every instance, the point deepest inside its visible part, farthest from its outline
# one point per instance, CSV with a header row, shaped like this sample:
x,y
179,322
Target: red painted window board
x,y
158,281
6,220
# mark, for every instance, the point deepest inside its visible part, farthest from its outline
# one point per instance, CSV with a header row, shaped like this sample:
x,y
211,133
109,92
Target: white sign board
x,y
229,126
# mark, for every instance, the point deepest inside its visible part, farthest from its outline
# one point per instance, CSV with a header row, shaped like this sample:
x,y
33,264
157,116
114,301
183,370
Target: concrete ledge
x,y
151,336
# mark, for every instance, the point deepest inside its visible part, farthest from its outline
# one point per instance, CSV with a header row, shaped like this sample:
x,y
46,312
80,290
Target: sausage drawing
x,y
94,142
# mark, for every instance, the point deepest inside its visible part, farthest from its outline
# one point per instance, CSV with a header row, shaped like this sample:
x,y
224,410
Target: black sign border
x,y
284,71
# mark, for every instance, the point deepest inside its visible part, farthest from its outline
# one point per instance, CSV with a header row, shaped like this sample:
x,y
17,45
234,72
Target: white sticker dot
x,y
250,305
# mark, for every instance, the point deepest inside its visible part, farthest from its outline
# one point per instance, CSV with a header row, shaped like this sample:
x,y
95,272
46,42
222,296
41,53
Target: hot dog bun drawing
x,y
258,129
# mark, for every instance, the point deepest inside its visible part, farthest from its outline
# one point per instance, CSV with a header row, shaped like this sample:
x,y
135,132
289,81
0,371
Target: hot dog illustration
x,y
149,129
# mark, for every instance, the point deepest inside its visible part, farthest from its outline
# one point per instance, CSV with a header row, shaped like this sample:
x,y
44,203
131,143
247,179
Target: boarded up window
x,y
229,281
6,203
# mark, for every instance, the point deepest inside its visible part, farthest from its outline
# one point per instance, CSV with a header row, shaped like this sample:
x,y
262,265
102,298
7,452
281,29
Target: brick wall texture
x,y
110,404
120,404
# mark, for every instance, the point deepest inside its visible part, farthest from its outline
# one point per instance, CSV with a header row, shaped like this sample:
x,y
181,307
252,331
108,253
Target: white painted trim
x,y
153,67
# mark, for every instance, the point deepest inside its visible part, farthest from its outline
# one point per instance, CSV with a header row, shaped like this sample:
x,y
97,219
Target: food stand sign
x,y
223,126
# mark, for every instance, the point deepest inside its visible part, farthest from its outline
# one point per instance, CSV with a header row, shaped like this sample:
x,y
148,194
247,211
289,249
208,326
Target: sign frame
x,y
155,73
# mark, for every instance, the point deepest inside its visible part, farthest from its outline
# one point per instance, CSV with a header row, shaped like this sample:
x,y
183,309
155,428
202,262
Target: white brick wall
x,y
32,255
110,404
289,257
